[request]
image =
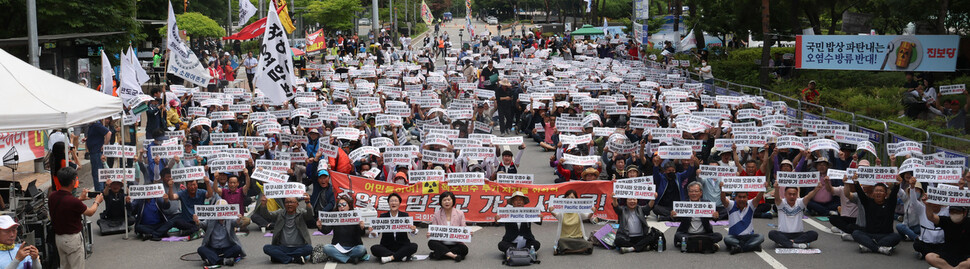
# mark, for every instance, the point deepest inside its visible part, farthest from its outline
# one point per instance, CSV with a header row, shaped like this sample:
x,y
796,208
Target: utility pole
x,y
376,19
33,46
262,13
229,16
766,45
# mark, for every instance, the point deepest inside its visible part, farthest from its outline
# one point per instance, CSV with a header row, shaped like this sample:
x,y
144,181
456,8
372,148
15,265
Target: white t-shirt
x,y
790,217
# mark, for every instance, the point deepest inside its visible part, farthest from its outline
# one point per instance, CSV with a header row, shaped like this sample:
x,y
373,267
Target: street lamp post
x,y
460,40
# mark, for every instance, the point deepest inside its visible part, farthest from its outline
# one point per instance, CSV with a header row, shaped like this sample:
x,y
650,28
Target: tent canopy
x,y
587,30
32,99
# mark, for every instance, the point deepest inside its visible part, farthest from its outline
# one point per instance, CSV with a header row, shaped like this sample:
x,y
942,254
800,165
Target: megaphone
x,y
11,158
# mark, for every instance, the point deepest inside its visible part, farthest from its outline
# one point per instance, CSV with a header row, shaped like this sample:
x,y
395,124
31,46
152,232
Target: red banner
x,y
315,41
253,30
30,145
478,202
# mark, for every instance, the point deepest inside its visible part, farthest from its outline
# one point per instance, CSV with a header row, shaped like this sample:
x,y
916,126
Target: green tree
x,y
71,17
334,14
196,25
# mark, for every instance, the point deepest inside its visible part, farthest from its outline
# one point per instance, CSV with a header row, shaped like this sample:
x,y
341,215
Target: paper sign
x,y
518,214
226,165
937,175
571,205
575,139
328,150
167,152
798,179
501,141
190,173
450,233
217,212
836,174
743,184
446,158
675,152
904,148
391,225
790,142
820,144
870,175
426,175
284,190
953,89
274,165
948,196
146,191
118,151
346,133
268,176
716,171
466,179
478,153
637,180
580,160
339,218
867,146
224,138
116,174
514,178
694,209
633,190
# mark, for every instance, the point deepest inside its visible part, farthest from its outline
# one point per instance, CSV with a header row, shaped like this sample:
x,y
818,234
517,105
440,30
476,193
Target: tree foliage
x,y
70,17
333,14
196,25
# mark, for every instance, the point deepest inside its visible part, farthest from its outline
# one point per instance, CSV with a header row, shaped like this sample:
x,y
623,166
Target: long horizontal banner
x,y
479,202
877,52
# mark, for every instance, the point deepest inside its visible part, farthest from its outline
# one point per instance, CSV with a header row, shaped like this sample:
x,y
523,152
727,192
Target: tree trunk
x,y
698,31
547,11
941,19
813,18
795,22
834,17
766,46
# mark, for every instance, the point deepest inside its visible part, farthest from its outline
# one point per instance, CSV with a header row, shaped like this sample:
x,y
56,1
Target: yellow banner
x,y
284,13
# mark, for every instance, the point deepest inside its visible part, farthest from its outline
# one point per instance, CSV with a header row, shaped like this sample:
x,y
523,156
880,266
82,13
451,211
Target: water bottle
x,y
532,252
683,244
660,245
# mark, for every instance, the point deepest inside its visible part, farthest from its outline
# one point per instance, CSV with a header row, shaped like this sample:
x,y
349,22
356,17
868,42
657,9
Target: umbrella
x,y
297,51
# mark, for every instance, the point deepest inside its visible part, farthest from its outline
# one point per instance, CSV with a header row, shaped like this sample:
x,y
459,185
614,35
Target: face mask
x,y
957,218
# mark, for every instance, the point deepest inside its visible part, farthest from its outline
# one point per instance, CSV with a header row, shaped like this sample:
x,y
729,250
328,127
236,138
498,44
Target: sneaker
x,y
627,250
387,259
835,230
757,248
156,238
228,262
196,235
919,256
833,213
735,250
886,250
459,258
846,237
299,260
366,257
801,245
864,249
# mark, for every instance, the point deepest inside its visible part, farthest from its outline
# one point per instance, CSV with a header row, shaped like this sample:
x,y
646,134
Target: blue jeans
x,y
284,254
747,242
908,231
357,252
96,165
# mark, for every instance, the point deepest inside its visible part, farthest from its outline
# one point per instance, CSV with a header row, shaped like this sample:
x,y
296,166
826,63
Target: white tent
x,y
32,99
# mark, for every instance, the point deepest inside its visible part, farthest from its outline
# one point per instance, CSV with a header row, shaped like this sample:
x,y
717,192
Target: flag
x,y
426,13
315,41
246,11
182,62
128,86
274,73
589,5
253,30
283,12
107,85
689,42
139,72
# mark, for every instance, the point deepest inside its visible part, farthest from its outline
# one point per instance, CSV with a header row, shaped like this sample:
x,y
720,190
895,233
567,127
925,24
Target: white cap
x,y
6,222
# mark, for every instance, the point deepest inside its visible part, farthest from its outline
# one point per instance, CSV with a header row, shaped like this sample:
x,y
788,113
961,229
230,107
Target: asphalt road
x,y
116,252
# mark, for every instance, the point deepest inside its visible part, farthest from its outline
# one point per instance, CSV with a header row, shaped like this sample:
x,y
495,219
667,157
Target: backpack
x,y
519,257
654,238
699,244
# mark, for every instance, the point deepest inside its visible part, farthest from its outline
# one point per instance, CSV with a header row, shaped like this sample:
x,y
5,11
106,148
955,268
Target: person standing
x,y
65,214
18,256
97,135
504,98
250,64
157,65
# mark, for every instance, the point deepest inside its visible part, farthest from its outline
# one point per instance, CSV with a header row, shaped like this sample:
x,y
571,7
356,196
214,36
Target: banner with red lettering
x,y
478,202
30,145
315,41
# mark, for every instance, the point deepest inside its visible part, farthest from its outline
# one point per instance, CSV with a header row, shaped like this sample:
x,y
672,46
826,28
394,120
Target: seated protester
x,y
150,221
615,168
236,195
910,196
291,241
572,235
220,246
18,256
695,226
823,204
115,208
670,186
323,197
345,247
446,214
632,217
518,234
394,246
741,236
189,197
712,192
791,232
846,221
880,208
956,229
751,168
930,235
590,174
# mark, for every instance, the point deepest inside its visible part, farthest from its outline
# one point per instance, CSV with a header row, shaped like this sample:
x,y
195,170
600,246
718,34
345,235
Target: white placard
x,y
167,152
446,158
284,190
514,178
274,165
268,176
870,175
116,174
948,196
450,233
717,171
575,139
694,209
867,146
466,179
571,205
339,218
634,190
675,152
518,214
190,173
820,144
224,138
478,153
328,150
580,160
391,225
798,179
346,133
227,165
217,212
118,151
790,142
743,184
952,89
426,175
937,175
146,191
512,141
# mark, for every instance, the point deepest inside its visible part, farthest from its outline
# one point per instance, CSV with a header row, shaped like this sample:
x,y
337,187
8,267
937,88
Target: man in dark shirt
x,y
956,232
878,235
503,97
65,214
97,135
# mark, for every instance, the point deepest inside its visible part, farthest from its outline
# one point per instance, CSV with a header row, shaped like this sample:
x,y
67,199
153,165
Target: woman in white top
x,y
572,234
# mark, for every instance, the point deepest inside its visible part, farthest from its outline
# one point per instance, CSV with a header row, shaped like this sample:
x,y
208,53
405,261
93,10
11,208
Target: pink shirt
x,y
439,217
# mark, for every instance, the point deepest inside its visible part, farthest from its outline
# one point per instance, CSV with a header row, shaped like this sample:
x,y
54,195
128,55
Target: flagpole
x,y
124,171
